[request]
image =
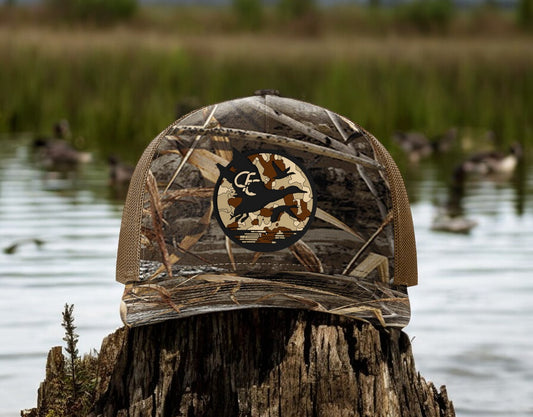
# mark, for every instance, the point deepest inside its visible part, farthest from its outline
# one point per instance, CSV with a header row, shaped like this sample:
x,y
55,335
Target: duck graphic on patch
x,y
264,201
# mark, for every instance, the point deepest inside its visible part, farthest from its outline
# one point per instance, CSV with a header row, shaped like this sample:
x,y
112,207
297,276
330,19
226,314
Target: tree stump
x,y
262,362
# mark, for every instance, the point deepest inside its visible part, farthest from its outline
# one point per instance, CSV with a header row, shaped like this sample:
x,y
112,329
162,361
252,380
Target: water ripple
x,y
472,317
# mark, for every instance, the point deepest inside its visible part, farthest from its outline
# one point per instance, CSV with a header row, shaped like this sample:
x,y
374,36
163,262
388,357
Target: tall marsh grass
x,y
119,88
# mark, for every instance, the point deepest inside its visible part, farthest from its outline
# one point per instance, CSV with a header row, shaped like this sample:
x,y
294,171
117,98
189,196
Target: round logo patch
x,y
264,201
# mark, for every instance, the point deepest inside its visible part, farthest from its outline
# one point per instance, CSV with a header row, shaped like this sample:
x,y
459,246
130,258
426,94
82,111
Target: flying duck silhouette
x,y
251,189
280,174
278,211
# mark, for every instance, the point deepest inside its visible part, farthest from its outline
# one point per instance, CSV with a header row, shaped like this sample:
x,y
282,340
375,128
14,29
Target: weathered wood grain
x,y
261,362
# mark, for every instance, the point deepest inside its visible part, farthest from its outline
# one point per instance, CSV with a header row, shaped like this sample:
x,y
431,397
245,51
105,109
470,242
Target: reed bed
x,y
119,87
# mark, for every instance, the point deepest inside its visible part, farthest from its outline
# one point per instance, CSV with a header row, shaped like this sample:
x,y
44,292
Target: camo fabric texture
x,y
181,211
264,188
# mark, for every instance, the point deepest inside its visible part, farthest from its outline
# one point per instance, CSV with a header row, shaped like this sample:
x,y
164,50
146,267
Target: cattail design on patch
x,y
264,201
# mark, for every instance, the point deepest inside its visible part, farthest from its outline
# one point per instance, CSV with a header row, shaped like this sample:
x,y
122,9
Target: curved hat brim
x,y
180,296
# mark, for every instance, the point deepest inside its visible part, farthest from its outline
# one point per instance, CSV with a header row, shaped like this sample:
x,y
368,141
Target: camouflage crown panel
x,y
212,199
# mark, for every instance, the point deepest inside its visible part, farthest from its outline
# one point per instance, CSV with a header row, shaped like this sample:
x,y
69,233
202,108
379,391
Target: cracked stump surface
x,y
265,362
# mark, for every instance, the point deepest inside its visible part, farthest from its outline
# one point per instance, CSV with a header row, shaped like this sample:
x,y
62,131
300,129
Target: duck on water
x,y
417,145
56,152
490,163
487,164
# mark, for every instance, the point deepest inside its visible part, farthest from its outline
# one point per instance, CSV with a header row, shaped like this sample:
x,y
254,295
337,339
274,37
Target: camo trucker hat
x,y
266,201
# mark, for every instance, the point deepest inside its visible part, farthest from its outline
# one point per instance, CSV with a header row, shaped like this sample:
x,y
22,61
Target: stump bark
x,y
265,362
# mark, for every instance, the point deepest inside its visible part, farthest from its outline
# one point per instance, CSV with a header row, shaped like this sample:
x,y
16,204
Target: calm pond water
x,y
472,321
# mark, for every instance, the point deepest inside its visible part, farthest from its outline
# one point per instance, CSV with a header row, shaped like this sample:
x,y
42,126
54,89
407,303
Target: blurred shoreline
x,y
118,83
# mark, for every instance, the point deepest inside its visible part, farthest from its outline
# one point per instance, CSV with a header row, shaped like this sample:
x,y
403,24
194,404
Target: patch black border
x,y
282,244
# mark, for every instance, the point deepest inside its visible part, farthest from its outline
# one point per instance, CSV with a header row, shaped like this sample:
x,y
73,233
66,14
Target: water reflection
x,y
471,312
77,225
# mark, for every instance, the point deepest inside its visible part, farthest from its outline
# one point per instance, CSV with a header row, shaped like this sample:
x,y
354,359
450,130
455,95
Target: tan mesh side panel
x,y
129,243
405,263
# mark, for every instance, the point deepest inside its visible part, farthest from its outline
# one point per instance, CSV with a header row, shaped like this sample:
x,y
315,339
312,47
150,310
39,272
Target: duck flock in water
x,y
490,164
56,153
